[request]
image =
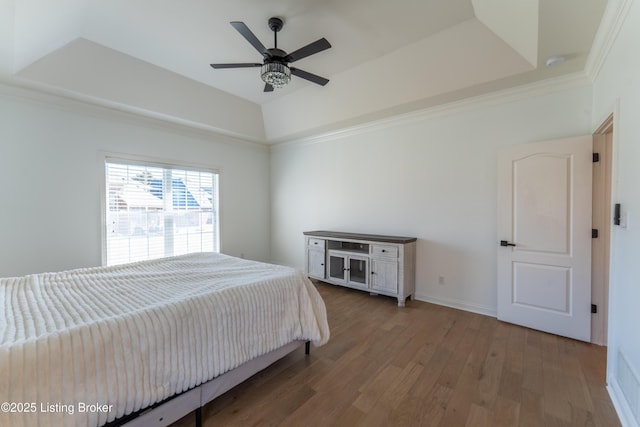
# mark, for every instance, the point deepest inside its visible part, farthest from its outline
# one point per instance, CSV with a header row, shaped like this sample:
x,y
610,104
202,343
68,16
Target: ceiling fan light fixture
x,y
276,74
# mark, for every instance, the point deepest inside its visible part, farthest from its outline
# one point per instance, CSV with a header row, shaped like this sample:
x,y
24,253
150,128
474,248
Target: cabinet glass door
x,y
337,267
358,270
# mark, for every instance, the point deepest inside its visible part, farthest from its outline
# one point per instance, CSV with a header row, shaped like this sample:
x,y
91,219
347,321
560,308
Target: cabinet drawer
x,y
316,243
384,251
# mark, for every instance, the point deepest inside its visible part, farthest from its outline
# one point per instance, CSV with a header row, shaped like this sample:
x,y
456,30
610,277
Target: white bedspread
x,y
131,335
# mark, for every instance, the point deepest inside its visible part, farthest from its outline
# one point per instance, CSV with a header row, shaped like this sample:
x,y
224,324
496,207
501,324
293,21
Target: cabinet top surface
x,y
358,236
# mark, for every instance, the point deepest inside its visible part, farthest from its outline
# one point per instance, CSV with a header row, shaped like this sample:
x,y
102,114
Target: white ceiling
x,y
386,57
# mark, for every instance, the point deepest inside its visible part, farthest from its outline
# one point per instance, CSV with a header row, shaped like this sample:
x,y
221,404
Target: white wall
x,y
7,10
50,172
433,177
618,83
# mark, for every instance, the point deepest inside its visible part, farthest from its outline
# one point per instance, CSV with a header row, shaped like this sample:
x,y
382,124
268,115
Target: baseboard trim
x,y
620,404
458,304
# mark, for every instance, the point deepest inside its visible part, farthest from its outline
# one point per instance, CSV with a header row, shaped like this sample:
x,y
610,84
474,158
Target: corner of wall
x,y
612,21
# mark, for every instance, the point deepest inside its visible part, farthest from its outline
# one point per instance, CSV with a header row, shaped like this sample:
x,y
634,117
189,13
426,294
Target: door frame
x,y
603,143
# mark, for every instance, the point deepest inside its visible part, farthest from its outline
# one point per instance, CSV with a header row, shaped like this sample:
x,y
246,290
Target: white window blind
x,y
158,211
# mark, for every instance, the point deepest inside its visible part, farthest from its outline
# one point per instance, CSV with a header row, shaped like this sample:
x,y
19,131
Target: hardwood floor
x,y
422,365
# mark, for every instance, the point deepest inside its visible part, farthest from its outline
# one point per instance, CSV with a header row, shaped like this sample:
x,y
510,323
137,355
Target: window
x,y
155,211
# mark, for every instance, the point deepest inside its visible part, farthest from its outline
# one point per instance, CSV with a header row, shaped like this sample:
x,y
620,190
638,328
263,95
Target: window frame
x,y
136,160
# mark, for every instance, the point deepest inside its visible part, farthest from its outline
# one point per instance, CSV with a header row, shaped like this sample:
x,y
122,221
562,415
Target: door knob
x,y
505,243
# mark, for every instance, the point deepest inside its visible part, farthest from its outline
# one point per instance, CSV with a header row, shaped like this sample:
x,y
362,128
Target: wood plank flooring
x,y
422,365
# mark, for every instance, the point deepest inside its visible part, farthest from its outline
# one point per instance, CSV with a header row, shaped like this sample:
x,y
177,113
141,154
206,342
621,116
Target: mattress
x,y
87,346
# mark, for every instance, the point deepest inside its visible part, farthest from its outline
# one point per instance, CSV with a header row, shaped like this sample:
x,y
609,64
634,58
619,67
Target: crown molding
x,y
543,87
612,21
73,101
87,104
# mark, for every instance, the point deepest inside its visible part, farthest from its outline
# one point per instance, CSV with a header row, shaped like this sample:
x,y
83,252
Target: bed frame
x,y
172,409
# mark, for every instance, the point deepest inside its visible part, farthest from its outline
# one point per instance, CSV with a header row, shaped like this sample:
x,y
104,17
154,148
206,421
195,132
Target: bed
x,y
87,347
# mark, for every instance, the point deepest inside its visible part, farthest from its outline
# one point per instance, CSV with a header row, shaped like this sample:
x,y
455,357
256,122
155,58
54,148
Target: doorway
x,y
601,214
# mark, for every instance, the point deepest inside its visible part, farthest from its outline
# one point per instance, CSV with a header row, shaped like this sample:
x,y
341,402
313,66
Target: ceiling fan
x,y
275,70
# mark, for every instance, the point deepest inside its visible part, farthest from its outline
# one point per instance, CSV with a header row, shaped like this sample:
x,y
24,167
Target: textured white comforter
x,y
128,336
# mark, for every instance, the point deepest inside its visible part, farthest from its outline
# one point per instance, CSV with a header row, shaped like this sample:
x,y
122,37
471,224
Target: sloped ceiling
x,y
386,57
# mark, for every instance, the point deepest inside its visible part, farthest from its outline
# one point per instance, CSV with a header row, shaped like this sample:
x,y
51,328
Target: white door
x,y
544,219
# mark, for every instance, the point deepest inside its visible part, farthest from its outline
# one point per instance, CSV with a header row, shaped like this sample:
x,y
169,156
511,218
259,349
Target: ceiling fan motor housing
x,y
275,24
276,55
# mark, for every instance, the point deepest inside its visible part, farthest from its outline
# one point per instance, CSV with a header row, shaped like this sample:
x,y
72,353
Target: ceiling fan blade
x,y
242,65
310,49
251,38
268,87
309,76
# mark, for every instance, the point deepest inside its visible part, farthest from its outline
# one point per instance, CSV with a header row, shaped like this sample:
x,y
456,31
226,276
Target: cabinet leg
x,y
400,302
